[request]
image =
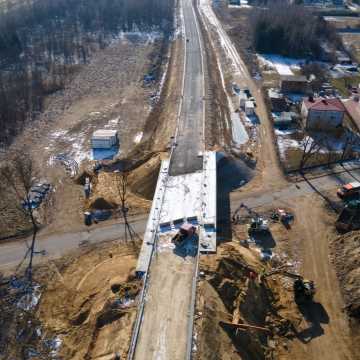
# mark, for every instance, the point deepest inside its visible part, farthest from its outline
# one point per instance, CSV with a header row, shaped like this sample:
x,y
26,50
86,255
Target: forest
x,y
40,42
290,30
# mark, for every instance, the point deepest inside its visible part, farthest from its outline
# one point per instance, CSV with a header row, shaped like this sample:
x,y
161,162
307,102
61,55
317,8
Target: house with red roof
x,y
322,113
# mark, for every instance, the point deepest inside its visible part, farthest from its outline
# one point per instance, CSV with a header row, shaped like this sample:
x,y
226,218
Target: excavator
x,y
257,225
304,289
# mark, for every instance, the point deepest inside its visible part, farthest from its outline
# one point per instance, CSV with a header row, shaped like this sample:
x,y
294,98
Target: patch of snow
x,y
285,132
30,300
95,113
282,64
57,134
138,137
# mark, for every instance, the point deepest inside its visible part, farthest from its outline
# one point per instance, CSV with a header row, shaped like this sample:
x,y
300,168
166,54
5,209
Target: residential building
x,y
352,107
322,113
277,100
294,84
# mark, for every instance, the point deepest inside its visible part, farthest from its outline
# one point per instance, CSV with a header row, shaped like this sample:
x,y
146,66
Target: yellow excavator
x,y
304,289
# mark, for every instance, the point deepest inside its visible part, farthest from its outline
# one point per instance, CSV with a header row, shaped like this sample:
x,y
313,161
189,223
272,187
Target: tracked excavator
x,y
304,289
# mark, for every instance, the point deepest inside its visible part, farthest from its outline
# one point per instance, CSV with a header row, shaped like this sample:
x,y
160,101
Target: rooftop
x,y
324,104
104,133
297,78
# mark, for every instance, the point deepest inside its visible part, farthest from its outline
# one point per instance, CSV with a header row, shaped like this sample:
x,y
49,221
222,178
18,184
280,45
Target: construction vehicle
x,y
349,190
304,289
349,218
258,226
186,230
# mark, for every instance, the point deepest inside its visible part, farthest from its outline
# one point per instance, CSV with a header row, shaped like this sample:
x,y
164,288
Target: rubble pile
x,y
21,333
241,314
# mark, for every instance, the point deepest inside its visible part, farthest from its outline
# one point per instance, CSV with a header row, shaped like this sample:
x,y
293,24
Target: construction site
x,y
147,213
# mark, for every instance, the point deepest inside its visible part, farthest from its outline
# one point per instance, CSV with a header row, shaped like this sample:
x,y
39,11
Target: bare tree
x,y
122,185
19,176
310,148
350,141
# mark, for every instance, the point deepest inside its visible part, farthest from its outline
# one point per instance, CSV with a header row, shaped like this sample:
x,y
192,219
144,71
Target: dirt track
x,y
330,332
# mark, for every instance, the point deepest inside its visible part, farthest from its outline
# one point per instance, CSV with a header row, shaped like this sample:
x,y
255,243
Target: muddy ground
x,y
87,304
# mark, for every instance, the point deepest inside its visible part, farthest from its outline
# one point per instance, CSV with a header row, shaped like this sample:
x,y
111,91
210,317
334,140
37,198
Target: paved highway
x,y
185,158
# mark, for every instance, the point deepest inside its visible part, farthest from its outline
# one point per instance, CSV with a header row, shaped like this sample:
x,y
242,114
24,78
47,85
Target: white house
x,y
322,113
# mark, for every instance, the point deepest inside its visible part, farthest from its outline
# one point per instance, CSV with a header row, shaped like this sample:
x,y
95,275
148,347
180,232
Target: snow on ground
x,y
239,134
286,143
179,24
138,137
282,64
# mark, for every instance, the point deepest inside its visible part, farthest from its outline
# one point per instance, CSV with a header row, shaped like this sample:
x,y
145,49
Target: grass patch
x,y
342,84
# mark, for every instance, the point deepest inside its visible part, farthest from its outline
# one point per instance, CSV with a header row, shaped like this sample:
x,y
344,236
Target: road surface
x,y
320,184
56,245
185,158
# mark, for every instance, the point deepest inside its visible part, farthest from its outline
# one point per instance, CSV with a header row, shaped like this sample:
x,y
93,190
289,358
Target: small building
x,y
352,107
322,113
294,84
104,139
283,120
249,107
277,101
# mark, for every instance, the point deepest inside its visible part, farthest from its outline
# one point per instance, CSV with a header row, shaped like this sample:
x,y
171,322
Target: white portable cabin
x,y
104,139
249,108
242,99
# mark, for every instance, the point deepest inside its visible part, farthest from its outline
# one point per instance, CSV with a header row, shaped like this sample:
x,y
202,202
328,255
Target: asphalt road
x,y
56,245
322,185
189,142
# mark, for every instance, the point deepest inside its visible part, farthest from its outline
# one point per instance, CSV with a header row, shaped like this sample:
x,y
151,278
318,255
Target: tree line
x,y
41,40
290,30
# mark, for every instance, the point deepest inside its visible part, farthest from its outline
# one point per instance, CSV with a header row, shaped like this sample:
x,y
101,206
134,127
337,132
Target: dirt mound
x,y
143,179
140,189
102,204
232,293
346,257
71,305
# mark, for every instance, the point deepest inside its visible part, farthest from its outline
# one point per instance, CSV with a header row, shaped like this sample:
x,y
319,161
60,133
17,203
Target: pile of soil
x,y
140,189
346,257
230,293
86,309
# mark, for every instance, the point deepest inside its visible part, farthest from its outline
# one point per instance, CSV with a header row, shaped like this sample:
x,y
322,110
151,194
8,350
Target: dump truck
x,y
349,190
186,230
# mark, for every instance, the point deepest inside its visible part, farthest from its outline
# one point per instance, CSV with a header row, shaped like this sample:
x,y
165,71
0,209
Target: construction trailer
x,y
249,108
104,139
